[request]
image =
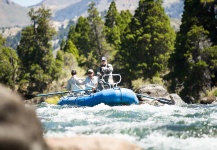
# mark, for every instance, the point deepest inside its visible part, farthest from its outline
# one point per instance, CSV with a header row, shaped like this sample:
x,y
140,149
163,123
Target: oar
x,y
29,96
161,100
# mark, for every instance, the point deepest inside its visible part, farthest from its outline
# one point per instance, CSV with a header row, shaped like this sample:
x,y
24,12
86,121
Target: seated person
x,y
74,83
91,81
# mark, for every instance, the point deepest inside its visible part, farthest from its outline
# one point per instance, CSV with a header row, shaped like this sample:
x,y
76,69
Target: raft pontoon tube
x,y
112,97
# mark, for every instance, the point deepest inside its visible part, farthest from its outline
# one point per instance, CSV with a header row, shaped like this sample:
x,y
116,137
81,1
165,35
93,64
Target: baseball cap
x,y
90,70
104,58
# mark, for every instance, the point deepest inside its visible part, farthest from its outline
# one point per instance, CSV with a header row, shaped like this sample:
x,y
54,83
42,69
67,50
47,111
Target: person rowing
x,y
104,68
74,83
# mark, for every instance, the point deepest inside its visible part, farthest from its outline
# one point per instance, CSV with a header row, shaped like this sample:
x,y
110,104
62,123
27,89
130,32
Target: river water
x,y
188,127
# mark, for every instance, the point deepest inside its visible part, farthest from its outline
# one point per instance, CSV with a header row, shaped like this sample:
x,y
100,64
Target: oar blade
x,y
166,101
161,100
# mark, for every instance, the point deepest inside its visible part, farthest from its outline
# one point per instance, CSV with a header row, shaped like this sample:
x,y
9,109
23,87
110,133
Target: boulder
x,y
90,143
153,90
19,127
178,100
208,100
158,92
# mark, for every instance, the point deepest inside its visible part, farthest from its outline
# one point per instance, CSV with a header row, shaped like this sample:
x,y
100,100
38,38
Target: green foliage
x,y
215,93
58,65
193,63
78,39
8,64
87,39
71,48
38,66
113,29
111,18
125,19
121,64
146,48
112,25
82,38
100,47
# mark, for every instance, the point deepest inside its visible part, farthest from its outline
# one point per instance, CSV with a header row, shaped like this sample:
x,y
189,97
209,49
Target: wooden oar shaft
x,y
55,93
161,100
147,96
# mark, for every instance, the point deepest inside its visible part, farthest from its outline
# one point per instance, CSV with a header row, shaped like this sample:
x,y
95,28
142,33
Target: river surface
x,y
188,127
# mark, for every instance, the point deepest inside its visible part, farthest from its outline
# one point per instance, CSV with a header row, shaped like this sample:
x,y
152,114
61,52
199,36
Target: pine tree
x,y
190,74
112,26
35,52
100,47
123,23
71,48
82,32
111,19
79,41
149,42
8,64
198,73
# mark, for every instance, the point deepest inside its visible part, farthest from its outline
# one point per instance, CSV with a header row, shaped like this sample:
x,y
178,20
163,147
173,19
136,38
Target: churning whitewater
x,y
166,127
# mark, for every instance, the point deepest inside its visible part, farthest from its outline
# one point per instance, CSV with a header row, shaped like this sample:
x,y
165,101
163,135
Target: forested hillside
x,y
142,46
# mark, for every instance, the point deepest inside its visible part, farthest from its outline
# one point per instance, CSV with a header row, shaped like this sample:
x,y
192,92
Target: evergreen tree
x,y
149,42
112,29
82,31
71,48
82,40
78,39
88,37
121,63
189,72
59,62
198,78
100,47
111,19
8,64
123,23
35,52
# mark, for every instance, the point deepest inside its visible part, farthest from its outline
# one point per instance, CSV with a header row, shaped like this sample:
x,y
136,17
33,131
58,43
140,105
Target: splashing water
x,y
150,127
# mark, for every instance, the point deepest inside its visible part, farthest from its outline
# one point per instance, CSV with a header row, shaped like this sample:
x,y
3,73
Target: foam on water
x,y
151,127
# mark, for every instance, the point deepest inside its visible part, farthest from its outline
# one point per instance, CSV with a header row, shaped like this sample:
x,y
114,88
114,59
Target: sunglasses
x,y
90,72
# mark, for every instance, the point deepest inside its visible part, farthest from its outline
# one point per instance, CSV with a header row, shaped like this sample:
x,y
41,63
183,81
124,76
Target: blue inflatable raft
x,y
112,97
